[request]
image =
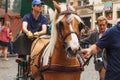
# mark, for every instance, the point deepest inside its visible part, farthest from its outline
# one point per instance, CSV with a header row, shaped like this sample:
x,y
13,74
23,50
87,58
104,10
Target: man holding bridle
x,y
111,42
92,38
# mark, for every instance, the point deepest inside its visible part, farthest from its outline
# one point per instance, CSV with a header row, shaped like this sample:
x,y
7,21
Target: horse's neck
x,y
58,56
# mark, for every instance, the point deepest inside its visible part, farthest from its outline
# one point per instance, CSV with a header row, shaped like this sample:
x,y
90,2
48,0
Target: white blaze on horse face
x,y
74,42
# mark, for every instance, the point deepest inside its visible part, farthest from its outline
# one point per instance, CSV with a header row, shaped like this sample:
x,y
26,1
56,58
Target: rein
x,y
56,67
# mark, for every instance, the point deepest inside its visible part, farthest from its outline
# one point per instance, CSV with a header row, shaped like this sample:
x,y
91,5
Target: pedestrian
x,y
4,39
109,41
0,25
92,38
11,43
34,24
0,31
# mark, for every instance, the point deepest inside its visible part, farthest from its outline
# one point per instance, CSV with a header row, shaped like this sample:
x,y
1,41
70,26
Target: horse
x,y
59,57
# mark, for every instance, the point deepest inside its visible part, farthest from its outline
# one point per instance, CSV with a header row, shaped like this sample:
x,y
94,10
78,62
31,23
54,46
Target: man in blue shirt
x,y
34,24
111,42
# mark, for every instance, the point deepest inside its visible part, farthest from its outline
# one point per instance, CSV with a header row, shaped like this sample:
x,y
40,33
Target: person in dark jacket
x,y
92,38
111,42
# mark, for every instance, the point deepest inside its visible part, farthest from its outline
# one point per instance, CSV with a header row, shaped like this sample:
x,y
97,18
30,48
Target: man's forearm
x,y
95,49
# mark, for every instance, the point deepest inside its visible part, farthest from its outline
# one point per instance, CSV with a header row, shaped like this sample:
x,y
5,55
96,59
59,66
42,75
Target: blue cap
x,y
34,2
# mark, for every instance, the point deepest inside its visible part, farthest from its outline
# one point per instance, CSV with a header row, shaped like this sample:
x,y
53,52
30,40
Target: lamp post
x,y
6,6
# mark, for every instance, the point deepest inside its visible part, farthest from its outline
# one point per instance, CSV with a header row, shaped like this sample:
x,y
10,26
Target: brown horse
x,y
57,58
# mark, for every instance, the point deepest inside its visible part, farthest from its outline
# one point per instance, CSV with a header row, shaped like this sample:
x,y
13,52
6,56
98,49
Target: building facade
x,y
109,9
90,10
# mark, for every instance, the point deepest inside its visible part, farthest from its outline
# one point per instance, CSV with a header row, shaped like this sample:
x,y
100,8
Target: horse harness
x,y
57,67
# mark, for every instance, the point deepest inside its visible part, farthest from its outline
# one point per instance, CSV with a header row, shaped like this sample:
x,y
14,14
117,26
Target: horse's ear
x,y
75,4
56,6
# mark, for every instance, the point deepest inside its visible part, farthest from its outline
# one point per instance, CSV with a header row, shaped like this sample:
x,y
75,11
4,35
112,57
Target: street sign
x,y
50,3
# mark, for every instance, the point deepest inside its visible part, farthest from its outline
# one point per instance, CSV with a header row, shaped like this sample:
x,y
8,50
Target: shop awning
x,y
85,12
98,10
9,13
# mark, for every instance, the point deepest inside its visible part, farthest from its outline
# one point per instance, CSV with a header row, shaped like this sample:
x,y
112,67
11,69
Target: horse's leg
x,y
35,70
102,73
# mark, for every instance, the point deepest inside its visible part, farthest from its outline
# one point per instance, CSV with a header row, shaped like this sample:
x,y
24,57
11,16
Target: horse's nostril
x,y
69,49
72,52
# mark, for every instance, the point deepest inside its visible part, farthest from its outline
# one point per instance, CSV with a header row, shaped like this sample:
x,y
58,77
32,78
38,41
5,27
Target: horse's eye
x,y
60,25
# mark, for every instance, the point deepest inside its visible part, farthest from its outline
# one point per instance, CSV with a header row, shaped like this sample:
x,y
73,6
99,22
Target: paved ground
x,y
89,72
8,70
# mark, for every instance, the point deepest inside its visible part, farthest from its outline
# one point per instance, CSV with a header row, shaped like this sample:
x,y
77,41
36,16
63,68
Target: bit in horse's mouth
x,y
71,53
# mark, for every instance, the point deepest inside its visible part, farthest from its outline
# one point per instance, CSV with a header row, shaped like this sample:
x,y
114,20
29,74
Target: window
x,y
83,2
108,15
118,14
109,25
79,3
86,2
98,14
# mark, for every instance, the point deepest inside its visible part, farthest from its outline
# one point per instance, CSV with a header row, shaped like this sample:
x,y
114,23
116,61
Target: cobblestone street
x,y
8,70
89,72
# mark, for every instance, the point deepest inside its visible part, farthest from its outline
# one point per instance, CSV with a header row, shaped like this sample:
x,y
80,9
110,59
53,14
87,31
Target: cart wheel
x,y
22,69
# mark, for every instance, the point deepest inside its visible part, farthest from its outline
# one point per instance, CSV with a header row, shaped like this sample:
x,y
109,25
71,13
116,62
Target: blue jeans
x,y
10,47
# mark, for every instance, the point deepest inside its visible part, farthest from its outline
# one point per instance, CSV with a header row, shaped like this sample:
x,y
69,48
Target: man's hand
x,y
29,34
86,52
36,34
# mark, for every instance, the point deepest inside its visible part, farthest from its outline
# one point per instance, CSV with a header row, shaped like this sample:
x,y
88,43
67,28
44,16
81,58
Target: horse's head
x,y
69,25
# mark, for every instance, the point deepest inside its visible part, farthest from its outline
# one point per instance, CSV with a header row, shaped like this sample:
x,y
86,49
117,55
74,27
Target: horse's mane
x,y
49,49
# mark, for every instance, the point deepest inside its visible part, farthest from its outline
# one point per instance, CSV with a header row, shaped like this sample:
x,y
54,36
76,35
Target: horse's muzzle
x,y
73,52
